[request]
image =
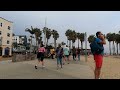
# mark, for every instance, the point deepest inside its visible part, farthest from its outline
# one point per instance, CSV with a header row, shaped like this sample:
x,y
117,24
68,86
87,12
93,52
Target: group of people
x,y
63,54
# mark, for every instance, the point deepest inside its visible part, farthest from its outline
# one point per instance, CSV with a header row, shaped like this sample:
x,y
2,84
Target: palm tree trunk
x,y
81,45
78,43
72,44
113,48
47,41
110,47
55,43
117,47
69,44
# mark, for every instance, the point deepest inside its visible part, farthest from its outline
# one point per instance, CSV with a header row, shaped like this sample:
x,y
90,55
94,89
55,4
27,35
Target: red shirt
x,y
41,49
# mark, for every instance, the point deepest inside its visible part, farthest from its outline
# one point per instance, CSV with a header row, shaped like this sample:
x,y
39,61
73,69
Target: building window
x,y
8,34
0,32
9,27
8,42
1,24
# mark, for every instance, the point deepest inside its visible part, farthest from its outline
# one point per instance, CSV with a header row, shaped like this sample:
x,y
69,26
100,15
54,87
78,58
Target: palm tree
x,y
82,39
48,34
74,37
109,38
31,31
117,40
78,37
55,36
91,38
113,39
38,34
68,34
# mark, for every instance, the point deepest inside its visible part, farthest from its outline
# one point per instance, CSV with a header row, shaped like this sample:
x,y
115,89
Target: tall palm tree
x,y
78,37
38,34
68,34
55,36
109,38
74,37
91,38
113,39
48,33
82,39
117,40
31,31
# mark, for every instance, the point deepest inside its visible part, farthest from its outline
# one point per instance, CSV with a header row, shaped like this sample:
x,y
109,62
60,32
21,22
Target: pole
x,y
85,46
45,31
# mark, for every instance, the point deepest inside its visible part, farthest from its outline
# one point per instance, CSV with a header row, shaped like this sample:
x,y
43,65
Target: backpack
x,y
96,48
60,52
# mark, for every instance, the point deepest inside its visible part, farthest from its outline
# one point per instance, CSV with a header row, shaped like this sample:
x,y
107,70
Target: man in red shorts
x,y
99,57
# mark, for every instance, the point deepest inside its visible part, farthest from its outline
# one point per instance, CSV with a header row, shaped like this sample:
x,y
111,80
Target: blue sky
x,y
80,21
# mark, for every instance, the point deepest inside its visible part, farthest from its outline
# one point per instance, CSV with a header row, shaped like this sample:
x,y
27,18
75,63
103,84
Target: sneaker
x,y
99,78
35,66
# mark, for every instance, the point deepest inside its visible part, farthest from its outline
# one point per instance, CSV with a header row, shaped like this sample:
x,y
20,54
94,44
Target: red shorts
x,y
98,60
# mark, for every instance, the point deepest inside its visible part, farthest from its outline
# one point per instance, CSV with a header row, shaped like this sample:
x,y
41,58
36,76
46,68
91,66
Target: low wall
x,y
23,57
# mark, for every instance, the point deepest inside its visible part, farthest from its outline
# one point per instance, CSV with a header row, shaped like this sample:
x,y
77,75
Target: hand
x,y
102,37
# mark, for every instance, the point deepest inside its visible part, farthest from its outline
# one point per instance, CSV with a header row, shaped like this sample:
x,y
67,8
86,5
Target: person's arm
x,y
101,41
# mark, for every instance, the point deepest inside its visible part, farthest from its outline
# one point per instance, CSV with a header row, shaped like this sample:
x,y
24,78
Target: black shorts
x,y
67,56
40,56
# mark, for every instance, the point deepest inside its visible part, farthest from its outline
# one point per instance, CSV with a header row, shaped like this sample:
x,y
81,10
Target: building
x,y
6,28
20,39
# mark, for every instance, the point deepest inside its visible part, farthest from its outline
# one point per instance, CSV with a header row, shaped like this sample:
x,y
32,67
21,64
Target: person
x,y
74,53
52,53
40,56
98,57
66,54
59,55
78,54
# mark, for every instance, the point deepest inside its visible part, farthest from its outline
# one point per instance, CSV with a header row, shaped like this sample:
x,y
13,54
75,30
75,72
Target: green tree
x,y
48,33
82,39
91,38
55,36
109,38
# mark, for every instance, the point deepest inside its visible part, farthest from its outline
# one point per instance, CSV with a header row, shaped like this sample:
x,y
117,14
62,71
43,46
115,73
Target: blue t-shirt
x,y
98,41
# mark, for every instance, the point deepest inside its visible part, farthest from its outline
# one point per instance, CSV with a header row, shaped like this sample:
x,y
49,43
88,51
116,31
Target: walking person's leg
x,y
64,59
78,57
73,57
60,62
37,63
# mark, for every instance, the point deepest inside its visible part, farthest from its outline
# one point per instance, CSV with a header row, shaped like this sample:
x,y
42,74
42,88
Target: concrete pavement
x,y
26,70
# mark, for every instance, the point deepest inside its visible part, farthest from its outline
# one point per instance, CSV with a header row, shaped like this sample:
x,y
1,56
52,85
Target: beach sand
x,y
110,68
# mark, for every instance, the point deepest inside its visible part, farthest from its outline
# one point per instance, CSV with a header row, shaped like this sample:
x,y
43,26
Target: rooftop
x,y
6,20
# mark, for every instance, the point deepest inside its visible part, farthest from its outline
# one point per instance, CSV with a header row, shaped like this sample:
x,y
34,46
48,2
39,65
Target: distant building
x,y
6,28
20,39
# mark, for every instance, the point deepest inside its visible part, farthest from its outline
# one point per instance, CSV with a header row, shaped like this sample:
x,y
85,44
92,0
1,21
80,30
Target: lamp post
x,y
85,36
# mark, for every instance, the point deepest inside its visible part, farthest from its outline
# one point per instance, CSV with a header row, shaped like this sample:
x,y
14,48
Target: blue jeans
x,y
59,61
79,57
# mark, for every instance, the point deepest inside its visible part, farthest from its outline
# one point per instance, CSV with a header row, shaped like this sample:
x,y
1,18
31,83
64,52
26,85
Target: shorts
x,y
98,60
67,56
40,56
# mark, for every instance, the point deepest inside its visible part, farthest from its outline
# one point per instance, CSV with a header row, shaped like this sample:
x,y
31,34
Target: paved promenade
x,y
26,70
